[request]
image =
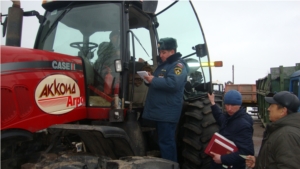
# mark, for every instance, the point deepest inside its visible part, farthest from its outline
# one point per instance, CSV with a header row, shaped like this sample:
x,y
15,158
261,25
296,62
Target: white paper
x,y
244,156
142,74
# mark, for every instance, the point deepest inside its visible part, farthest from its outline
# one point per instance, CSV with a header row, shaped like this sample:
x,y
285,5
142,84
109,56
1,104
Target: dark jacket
x,y
280,147
165,95
239,129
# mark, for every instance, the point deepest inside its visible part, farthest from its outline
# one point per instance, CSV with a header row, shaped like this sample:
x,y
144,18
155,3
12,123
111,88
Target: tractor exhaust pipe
x,y
14,24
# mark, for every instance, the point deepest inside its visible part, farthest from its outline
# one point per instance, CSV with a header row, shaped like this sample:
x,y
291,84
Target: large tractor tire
x,y
198,127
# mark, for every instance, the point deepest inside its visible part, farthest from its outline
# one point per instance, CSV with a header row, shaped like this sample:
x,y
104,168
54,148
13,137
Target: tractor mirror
x,y
201,50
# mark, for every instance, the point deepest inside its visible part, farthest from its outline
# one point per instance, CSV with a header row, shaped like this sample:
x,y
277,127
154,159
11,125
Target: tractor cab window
x,y
92,32
141,39
188,34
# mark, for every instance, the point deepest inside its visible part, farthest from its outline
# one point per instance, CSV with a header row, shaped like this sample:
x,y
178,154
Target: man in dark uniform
x,y
165,96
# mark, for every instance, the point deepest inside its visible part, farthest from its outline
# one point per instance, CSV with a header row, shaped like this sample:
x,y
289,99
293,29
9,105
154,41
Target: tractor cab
x,y
110,36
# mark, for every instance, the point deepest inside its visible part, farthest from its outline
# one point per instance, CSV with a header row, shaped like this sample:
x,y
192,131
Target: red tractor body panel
x,y
40,88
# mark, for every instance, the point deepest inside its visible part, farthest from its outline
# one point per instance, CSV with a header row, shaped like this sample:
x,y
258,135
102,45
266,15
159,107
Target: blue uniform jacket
x,y
239,129
165,95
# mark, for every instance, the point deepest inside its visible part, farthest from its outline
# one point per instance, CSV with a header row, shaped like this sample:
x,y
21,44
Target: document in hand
x,y
142,74
220,145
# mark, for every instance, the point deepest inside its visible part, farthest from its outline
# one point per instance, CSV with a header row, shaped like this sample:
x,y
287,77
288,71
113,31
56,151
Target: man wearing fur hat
x,y
165,96
236,125
281,141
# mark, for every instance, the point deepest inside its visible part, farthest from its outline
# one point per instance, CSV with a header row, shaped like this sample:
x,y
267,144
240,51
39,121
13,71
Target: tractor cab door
x,y
142,49
186,29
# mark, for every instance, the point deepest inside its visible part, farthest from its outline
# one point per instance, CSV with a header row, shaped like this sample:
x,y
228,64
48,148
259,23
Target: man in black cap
x,y
281,142
165,96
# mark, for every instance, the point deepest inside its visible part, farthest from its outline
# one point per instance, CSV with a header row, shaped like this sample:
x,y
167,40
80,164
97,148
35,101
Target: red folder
x,y
220,145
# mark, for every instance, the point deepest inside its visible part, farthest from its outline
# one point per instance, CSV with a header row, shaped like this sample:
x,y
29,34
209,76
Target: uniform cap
x,y
167,44
285,99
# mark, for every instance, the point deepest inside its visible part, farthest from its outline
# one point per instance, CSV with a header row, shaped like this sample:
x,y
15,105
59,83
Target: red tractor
x,y
75,100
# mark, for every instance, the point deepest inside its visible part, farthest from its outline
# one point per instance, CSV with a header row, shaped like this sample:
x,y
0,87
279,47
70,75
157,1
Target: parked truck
x,y
248,92
279,79
60,110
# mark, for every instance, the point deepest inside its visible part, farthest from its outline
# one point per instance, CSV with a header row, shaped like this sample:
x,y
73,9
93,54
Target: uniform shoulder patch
x,y
177,70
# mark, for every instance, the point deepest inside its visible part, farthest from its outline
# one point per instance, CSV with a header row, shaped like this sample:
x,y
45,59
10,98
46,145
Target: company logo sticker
x,y
58,94
63,65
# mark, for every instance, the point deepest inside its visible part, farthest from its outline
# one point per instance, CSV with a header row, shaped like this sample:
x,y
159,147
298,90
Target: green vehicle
x,y
280,79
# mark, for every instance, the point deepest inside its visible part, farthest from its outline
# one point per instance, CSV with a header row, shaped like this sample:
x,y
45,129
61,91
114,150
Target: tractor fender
x,y
16,134
101,140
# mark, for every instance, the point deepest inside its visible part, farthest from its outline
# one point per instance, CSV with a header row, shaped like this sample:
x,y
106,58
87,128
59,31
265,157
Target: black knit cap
x,y
285,99
167,44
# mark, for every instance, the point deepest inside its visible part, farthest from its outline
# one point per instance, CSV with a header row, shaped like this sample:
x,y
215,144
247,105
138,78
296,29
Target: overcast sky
x,y
251,35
